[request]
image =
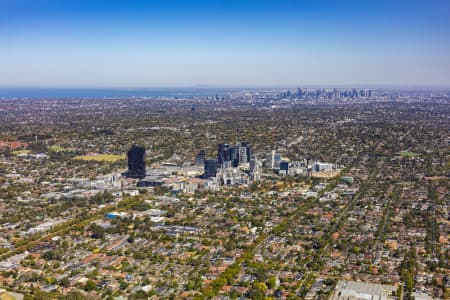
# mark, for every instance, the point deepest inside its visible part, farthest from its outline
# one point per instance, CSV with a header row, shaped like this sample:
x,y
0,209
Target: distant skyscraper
x,y
210,168
136,162
335,94
288,94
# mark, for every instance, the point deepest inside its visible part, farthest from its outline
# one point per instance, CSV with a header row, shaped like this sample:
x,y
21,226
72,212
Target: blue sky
x,y
112,43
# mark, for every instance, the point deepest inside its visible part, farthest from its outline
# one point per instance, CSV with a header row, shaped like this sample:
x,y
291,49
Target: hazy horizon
x,y
233,44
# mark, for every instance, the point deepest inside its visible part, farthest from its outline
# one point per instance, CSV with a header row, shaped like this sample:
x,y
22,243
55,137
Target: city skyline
x,y
114,44
253,194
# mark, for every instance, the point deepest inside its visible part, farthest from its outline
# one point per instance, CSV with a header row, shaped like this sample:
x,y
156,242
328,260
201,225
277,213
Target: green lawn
x,y
408,154
101,157
21,152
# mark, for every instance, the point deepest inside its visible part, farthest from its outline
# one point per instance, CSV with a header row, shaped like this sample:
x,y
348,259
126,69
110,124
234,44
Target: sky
x,y
228,43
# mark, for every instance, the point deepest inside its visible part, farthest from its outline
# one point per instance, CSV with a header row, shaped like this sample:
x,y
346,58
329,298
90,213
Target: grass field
x,y
101,157
21,152
408,154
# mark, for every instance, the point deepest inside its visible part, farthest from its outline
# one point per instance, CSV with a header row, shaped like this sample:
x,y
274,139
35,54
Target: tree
x,y
64,282
139,295
75,296
90,285
256,293
97,231
271,282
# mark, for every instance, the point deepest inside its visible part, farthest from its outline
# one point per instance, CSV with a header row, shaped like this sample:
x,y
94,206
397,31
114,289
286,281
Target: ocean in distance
x,y
106,93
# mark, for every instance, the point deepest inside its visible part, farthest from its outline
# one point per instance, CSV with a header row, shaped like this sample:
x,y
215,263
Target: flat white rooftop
x,y
354,290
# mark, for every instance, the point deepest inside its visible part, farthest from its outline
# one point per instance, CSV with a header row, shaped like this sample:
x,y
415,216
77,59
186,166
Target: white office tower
x,y
276,160
273,160
254,170
243,154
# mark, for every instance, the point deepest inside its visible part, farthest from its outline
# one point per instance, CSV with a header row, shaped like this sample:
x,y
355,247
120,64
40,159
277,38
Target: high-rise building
x,y
254,170
136,162
272,162
223,155
233,155
276,159
210,168
200,158
244,153
284,167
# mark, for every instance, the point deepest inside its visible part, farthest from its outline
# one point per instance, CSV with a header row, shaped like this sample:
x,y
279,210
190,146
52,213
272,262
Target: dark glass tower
x,y
136,162
234,156
284,166
223,154
210,168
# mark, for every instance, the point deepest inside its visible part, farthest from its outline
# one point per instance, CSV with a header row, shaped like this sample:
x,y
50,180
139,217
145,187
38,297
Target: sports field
x,y
101,157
